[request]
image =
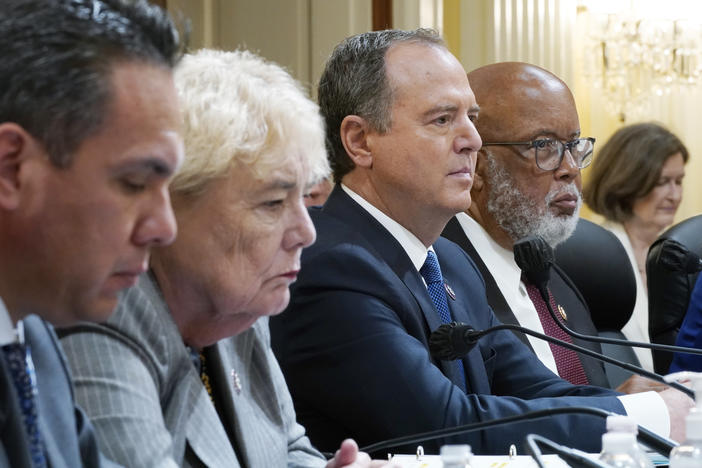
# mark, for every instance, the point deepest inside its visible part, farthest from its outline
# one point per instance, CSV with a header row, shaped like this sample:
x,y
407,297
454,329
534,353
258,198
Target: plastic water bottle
x,y
627,425
616,450
689,453
619,446
456,456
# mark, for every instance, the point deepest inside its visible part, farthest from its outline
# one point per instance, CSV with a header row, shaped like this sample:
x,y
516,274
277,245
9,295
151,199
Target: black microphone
x,y
648,438
676,257
535,258
442,343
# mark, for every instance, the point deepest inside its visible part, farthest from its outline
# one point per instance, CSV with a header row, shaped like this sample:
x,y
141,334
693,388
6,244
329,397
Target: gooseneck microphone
x,y
454,340
648,438
535,258
573,457
676,257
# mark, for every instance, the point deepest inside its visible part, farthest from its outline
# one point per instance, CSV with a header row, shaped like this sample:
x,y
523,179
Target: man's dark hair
x,y
57,58
354,82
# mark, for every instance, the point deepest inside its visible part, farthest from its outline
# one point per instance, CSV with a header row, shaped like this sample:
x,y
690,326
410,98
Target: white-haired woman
x,y
182,374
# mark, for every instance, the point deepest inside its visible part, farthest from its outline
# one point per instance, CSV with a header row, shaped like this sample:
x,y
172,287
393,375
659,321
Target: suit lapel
x,y
229,359
566,295
462,311
205,433
249,398
386,247
455,233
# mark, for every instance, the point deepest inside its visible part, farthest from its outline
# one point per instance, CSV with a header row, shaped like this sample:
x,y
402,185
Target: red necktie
x,y
567,361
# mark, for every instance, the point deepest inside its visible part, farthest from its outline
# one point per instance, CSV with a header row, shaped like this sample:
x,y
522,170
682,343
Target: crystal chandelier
x,y
636,52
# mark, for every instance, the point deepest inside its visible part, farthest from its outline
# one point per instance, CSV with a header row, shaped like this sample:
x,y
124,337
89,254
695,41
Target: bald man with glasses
x,y
527,183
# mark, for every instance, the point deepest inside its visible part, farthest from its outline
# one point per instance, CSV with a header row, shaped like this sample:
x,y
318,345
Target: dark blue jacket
x,y
690,334
353,345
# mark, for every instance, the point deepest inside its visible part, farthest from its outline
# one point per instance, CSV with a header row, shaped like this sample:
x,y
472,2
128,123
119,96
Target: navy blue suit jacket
x,y
690,335
67,433
353,345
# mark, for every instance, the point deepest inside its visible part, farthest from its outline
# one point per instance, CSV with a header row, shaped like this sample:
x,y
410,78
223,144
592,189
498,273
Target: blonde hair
x,y
239,109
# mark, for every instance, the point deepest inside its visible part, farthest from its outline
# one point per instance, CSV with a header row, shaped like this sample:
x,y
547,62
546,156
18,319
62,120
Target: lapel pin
x,y
562,312
236,382
450,292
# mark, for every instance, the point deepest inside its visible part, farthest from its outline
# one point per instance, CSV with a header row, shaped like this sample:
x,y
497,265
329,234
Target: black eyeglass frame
x,y
542,141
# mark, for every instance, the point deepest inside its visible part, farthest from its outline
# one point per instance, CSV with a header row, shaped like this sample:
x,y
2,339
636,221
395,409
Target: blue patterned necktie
x,y
431,272
19,362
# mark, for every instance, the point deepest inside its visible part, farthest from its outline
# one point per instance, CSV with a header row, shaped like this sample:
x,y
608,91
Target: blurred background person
x,y
636,184
183,373
319,192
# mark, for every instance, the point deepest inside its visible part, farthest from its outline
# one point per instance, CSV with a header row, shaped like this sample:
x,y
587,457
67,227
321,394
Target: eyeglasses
x,y
549,153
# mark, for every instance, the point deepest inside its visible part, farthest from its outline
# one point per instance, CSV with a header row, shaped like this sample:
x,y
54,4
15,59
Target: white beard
x,y
520,216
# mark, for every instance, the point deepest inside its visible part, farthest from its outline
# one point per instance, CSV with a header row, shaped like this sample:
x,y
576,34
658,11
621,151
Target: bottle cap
x,y
621,423
456,453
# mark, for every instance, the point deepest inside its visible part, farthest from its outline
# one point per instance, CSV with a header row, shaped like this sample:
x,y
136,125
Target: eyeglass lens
x,y
549,153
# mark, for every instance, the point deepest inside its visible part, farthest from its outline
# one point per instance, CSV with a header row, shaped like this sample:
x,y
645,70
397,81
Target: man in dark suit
x,y
88,141
530,185
517,198
400,120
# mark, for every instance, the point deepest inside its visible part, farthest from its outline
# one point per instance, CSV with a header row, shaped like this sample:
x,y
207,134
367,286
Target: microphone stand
x,y
601,339
650,439
474,335
535,258
575,458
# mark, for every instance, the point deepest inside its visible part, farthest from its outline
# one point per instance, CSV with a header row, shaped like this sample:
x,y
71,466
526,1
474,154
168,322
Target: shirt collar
x,y
499,261
414,248
7,330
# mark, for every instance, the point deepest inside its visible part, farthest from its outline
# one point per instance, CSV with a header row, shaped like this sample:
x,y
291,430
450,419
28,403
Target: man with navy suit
x,y
88,142
353,343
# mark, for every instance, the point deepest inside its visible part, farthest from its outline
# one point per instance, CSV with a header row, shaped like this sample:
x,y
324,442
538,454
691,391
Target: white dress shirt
x,y
647,408
415,249
508,276
636,329
7,331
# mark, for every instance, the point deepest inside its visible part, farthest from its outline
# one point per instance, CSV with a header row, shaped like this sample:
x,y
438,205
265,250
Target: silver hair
x,y
520,216
240,109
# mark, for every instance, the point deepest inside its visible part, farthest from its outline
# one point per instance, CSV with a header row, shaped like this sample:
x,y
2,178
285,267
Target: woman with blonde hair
x,y
183,374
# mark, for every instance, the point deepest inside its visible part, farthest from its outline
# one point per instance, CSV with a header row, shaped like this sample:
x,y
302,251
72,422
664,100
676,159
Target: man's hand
x,y
679,406
638,384
348,456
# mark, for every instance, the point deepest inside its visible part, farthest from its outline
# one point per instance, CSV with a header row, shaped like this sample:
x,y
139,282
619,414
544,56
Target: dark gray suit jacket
x,y
564,292
68,436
